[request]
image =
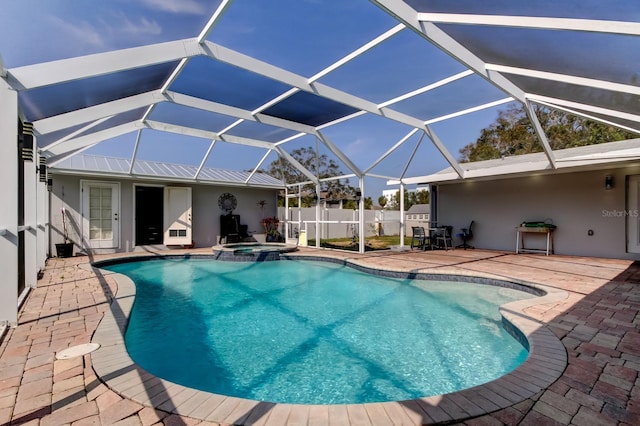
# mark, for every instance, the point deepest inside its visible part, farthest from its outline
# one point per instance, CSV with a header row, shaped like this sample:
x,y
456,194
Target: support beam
x,y
93,138
204,159
469,110
591,83
55,72
391,150
85,115
361,247
338,153
257,167
135,152
206,134
9,206
30,221
584,107
413,154
402,215
541,134
297,165
222,7
536,22
589,116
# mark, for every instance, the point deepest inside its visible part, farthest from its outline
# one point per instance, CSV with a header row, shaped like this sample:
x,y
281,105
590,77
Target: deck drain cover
x,y
76,351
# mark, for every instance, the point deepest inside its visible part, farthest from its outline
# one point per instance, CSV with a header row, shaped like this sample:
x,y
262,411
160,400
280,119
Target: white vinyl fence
x,y
339,223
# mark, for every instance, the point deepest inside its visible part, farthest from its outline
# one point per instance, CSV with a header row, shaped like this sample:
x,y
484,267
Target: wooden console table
x,y
522,230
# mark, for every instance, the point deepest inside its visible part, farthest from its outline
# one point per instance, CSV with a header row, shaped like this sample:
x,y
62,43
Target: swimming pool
x,y
245,333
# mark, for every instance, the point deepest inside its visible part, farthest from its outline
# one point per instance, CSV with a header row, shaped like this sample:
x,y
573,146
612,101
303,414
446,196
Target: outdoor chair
x,y
419,237
231,231
465,235
442,237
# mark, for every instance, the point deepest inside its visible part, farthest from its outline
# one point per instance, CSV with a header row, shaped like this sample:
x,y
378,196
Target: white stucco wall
x,y
205,211
575,202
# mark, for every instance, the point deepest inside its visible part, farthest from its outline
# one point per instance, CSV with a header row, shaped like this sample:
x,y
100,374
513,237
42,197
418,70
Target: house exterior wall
x,y
575,202
205,210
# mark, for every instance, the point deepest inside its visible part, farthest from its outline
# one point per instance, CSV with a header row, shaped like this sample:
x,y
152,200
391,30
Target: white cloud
x,y
105,33
80,32
191,7
121,24
357,147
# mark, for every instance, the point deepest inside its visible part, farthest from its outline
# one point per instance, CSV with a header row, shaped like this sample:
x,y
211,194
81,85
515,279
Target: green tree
x,y
320,166
410,198
382,201
513,133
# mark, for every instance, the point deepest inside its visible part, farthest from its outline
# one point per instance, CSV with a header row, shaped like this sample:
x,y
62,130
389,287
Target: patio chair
x,y
465,235
442,237
418,238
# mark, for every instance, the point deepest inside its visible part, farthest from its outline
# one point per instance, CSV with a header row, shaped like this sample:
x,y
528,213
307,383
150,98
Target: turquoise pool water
x,y
314,332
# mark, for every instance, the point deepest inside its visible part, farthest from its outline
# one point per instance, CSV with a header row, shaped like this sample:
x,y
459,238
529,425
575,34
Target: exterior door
x,y
177,216
100,214
149,210
633,218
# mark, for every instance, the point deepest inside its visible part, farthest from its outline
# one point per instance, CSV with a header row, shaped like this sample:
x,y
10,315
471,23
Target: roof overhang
x,y
593,157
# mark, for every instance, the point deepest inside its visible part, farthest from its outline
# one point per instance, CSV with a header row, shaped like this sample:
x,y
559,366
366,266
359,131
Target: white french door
x,y
633,218
177,215
100,214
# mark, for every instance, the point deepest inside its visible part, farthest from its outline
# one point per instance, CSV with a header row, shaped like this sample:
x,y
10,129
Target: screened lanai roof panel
x,y
116,120
310,109
293,34
364,139
181,115
36,31
105,164
57,99
264,132
610,99
399,65
243,157
632,126
226,84
468,92
609,57
49,138
623,10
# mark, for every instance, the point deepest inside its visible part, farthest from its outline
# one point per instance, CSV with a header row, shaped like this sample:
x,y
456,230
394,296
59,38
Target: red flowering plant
x,y
270,225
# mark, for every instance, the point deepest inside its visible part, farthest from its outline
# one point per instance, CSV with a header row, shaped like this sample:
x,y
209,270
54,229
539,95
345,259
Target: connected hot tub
x,y
252,251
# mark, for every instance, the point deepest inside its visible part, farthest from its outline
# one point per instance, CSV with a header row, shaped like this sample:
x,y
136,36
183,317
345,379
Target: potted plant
x,y
271,228
64,249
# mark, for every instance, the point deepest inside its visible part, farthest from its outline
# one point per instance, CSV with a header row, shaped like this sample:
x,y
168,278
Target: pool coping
x,y
546,362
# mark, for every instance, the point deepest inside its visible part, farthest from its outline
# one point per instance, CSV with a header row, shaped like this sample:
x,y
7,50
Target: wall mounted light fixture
x,y
608,182
42,169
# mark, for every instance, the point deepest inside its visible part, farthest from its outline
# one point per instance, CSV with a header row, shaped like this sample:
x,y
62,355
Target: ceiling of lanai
x,y
389,89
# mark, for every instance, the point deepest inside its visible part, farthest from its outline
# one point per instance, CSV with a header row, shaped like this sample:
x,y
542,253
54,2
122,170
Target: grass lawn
x,y
371,243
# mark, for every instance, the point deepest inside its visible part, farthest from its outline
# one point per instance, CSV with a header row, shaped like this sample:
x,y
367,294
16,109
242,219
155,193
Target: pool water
x,y
314,332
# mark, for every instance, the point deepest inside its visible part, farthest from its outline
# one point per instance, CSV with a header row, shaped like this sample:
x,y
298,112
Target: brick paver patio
x,y
597,323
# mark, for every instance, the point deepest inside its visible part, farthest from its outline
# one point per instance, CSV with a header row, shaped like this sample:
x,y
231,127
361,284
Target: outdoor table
x,y
523,230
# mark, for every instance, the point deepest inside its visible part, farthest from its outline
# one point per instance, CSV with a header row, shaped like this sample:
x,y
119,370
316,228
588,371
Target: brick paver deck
x,y
597,323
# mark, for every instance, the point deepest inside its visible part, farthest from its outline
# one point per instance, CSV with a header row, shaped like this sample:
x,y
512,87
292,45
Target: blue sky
x,y
302,36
